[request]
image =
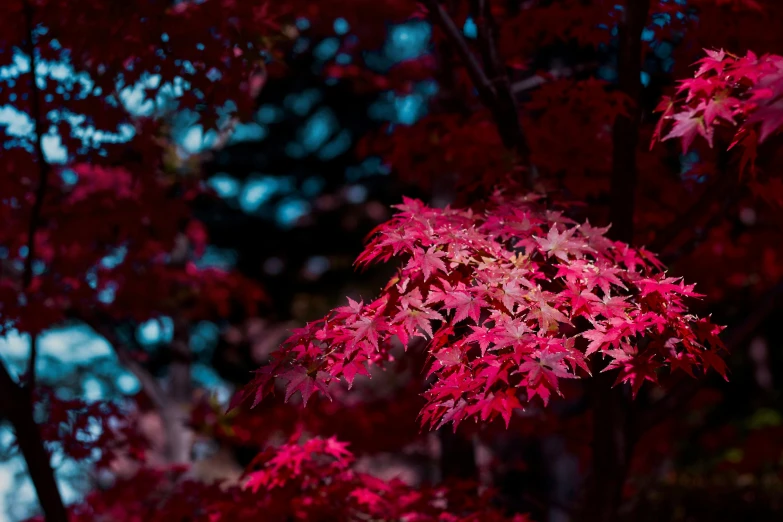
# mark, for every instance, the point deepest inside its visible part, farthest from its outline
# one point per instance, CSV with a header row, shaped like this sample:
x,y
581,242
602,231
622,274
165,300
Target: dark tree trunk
x,y
17,407
457,456
625,135
613,437
613,442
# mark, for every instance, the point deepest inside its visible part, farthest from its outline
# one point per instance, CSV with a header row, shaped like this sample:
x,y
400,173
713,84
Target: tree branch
x,y
505,107
483,85
30,384
700,234
16,405
688,219
494,90
180,390
43,179
16,401
43,166
554,74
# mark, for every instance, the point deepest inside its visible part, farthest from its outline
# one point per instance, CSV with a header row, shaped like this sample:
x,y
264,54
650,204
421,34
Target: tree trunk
x,y
39,466
457,456
613,434
18,409
613,441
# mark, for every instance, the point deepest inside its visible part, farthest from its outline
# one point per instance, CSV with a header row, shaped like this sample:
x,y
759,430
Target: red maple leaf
x,y
300,380
687,126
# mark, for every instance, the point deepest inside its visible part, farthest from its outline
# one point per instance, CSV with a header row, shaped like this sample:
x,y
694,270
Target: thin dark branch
x,y
482,14
30,384
688,219
504,109
492,82
537,80
483,85
43,177
721,192
686,232
447,78
43,166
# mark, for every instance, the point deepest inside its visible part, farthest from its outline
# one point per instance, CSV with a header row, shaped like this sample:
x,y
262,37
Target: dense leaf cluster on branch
x,y
511,298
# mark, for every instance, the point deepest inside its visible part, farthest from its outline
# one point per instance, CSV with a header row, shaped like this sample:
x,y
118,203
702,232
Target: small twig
x,y
505,107
483,85
554,74
491,81
43,166
43,178
30,385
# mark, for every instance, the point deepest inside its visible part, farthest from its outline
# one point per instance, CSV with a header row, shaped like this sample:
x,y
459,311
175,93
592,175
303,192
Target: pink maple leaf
x,y
429,261
464,303
299,380
687,125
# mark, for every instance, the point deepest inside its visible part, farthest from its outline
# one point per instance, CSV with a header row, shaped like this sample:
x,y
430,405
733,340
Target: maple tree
x,y
582,253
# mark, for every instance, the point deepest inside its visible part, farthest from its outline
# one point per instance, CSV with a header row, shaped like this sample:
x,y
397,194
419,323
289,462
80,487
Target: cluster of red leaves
x,y
510,299
739,93
115,241
310,480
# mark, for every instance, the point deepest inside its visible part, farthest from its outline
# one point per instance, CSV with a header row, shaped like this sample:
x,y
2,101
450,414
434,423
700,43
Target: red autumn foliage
x,y
539,292
566,268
